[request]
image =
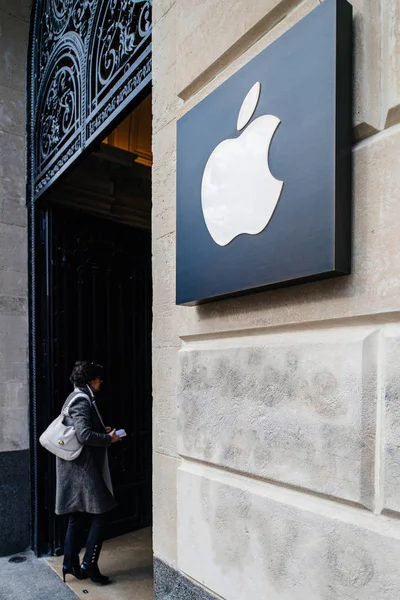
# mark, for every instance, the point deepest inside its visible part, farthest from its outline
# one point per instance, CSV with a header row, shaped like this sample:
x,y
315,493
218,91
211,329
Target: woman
x,y
84,485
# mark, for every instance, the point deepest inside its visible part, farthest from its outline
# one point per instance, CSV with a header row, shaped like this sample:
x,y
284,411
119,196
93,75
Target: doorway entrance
x,y
94,302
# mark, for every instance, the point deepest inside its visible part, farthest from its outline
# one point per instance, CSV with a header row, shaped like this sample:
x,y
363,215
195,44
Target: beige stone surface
x,y
296,410
164,181
375,39
14,433
17,8
163,233
239,60
12,158
274,532
164,271
13,255
14,284
160,8
164,508
368,68
390,475
12,111
244,539
165,320
12,182
14,417
231,50
391,61
212,34
165,366
165,99
13,48
128,561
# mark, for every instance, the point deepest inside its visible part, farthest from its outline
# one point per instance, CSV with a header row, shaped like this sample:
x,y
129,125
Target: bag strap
x,y
65,411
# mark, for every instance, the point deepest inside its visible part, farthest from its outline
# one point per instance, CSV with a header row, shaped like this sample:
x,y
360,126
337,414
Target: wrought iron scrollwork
x,y
59,110
90,58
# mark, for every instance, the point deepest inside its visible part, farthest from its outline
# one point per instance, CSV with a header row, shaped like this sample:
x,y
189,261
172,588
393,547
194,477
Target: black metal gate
x,y
93,301
88,61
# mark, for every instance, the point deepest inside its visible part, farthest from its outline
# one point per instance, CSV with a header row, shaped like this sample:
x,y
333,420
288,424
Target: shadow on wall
x,y
308,293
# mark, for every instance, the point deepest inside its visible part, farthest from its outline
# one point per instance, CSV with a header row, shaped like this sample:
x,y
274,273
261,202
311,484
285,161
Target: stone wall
x,y
14,429
276,427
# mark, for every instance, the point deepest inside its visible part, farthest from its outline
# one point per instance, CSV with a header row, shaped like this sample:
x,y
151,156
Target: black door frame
x,y
80,253
45,54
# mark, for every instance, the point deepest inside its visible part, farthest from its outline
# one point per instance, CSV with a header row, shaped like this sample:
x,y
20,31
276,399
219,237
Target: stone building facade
x,y
15,493
276,427
276,476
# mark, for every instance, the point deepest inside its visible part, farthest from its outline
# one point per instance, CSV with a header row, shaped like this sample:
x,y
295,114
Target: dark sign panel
x,y
264,167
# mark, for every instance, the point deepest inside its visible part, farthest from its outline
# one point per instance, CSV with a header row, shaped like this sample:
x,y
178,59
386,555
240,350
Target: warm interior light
x,y
134,134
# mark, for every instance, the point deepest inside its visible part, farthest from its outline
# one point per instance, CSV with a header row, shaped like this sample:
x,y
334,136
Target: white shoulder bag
x,y
60,439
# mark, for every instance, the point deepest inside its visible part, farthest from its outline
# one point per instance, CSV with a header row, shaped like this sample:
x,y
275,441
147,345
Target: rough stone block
x,y
164,181
165,364
245,539
11,305
13,255
12,190
14,326
160,8
17,8
13,284
12,179
164,271
13,373
203,21
12,111
223,31
297,411
13,46
165,320
13,212
165,99
164,508
14,428
391,61
12,157
14,394
391,420
367,68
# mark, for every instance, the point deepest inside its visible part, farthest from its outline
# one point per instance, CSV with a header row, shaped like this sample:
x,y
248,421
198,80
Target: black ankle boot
x,y
90,568
92,571
74,570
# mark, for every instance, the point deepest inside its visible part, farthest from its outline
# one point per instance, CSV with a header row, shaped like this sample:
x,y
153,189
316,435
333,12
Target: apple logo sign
x,y
238,192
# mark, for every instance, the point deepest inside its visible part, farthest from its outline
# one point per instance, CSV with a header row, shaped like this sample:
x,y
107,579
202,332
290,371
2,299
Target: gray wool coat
x,y
81,486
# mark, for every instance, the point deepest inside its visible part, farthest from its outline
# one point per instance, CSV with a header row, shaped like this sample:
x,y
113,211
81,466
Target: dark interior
x,y
95,299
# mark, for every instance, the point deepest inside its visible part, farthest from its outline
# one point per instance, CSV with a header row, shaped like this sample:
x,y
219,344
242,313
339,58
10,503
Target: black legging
x,y
74,539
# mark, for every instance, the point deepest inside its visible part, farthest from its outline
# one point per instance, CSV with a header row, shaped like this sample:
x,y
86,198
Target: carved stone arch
x,y
102,48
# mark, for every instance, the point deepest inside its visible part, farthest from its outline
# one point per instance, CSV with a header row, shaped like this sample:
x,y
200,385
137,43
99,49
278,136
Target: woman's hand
x,y
109,429
114,436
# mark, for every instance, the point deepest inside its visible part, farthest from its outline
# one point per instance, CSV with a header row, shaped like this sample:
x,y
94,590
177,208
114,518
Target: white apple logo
x,y
238,192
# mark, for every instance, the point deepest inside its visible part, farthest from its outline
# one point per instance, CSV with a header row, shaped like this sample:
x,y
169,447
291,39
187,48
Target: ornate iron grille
x,y
89,59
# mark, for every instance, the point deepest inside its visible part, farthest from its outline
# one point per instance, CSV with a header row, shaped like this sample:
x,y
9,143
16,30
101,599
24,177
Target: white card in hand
x,y
121,433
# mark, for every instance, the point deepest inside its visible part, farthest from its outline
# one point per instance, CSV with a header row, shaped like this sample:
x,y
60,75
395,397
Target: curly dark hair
x,y
84,372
